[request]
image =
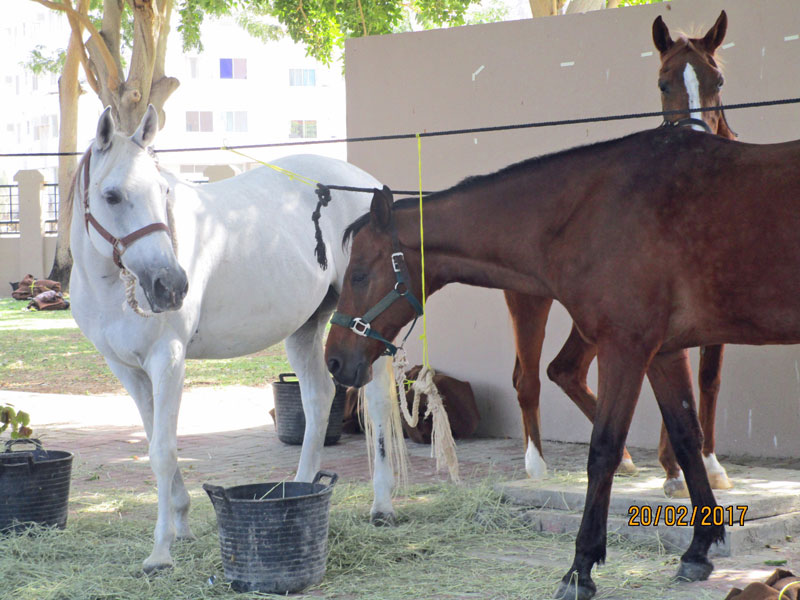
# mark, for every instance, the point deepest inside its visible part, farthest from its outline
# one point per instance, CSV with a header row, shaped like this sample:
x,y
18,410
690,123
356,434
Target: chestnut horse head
x,y
378,295
690,76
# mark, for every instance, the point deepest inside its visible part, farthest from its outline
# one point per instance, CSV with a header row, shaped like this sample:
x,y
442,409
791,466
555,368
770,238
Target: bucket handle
x,y
283,376
11,443
329,474
217,491
29,463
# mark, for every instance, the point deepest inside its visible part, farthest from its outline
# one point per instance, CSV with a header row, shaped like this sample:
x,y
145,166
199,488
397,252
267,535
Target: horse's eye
x,y
721,81
663,86
358,277
112,196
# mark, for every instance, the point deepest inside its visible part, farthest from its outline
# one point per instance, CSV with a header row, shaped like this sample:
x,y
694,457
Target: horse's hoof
x,y
719,481
694,571
676,488
382,519
153,567
626,467
572,591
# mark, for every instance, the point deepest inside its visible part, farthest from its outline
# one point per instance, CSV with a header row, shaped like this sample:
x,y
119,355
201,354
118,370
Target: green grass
x,y
37,353
13,312
451,542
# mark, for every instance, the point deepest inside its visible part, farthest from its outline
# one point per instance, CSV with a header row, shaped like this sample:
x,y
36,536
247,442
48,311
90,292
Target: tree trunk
x,y
546,8
579,6
68,94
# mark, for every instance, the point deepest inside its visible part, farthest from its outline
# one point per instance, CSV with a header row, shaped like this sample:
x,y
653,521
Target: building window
x,y
303,129
235,120
302,77
199,120
194,67
233,68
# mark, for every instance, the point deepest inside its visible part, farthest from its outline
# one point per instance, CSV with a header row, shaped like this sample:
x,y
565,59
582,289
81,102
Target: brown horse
x,y
663,240
689,77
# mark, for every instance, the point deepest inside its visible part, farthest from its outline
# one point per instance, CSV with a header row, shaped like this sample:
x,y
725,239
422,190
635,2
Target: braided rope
x,y
443,446
129,281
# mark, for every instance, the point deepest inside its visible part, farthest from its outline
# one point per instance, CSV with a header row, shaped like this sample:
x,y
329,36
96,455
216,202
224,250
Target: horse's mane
x,y
473,181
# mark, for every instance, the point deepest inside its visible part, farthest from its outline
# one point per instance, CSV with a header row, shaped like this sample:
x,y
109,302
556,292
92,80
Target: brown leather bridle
x,y
120,245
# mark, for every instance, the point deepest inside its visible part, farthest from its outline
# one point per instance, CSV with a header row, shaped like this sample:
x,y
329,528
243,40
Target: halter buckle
x,y
360,327
398,260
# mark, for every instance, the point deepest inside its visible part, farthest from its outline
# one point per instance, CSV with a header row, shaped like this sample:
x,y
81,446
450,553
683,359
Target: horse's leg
x,y
569,370
674,484
380,412
165,366
671,379
305,353
622,366
138,384
529,318
709,379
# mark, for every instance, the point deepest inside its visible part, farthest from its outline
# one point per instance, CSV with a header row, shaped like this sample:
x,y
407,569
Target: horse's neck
x,y
467,241
723,129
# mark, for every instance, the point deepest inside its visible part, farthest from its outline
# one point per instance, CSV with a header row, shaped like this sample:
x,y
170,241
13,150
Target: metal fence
x,y
51,220
9,208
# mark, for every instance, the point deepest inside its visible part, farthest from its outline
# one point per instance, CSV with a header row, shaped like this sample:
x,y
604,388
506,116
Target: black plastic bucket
x,y
34,486
273,536
290,421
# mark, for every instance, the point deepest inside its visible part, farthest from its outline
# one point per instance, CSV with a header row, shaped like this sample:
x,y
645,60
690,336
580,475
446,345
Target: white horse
x,y
254,229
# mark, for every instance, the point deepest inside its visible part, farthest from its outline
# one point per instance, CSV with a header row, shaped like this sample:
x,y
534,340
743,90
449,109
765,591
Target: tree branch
x,y
102,48
111,28
76,44
363,21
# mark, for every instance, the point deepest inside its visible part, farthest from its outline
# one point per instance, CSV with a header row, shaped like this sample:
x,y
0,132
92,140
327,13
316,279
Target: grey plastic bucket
x,y
273,536
290,421
34,486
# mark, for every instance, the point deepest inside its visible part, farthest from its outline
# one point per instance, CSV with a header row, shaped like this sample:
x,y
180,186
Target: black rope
x,y
324,195
404,136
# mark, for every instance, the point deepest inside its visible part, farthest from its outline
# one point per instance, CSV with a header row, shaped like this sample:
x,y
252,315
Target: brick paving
x,y
227,437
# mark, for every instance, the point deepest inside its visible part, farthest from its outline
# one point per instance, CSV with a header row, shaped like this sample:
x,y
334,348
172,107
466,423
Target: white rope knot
x,y
443,446
129,281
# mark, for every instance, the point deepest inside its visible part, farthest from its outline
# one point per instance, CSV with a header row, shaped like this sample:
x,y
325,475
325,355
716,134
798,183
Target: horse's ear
x,y
105,130
380,212
716,34
661,37
148,128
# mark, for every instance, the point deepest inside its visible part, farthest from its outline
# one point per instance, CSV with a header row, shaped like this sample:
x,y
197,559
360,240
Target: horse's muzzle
x,y
349,373
166,288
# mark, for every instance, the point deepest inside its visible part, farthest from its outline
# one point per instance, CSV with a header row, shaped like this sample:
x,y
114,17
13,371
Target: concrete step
x,y
762,508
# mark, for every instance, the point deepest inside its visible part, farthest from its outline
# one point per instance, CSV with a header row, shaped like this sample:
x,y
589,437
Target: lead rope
x,y
443,446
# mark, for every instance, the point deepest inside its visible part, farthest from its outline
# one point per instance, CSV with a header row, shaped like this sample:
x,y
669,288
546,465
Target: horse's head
x,y
125,202
378,297
690,75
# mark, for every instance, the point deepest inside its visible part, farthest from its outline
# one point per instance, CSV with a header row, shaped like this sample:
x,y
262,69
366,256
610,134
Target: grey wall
x,y
573,66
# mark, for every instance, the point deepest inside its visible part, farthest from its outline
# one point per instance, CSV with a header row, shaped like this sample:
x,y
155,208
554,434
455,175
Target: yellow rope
x,y
786,587
424,336
291,175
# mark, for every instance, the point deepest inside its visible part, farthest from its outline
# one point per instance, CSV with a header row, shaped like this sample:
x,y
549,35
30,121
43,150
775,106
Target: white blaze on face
x,y
693,91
